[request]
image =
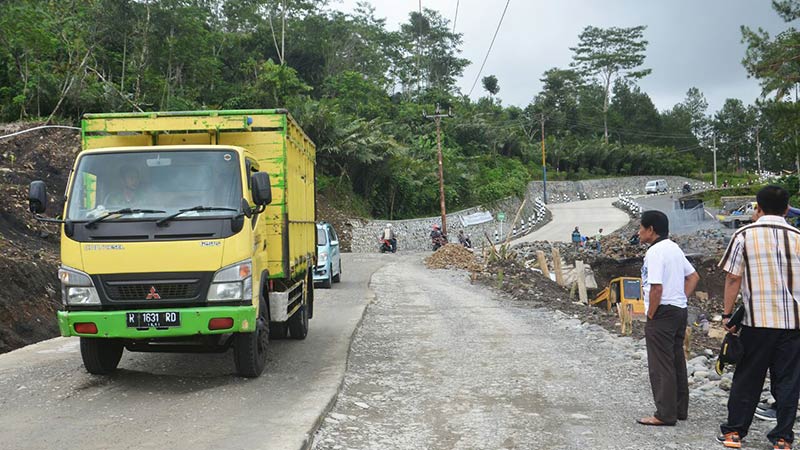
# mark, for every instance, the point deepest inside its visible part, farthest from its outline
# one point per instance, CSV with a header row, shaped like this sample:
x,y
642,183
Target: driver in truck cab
x,y
131,192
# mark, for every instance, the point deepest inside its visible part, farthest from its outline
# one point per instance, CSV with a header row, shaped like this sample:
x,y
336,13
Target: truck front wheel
x,y
250,349
100,356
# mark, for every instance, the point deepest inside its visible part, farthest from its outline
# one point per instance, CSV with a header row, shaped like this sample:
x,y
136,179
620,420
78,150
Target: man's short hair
x,y
658,220
773,200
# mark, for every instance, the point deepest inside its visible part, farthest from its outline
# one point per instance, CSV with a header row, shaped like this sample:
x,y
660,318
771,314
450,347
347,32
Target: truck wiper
x,y
163,221
122,211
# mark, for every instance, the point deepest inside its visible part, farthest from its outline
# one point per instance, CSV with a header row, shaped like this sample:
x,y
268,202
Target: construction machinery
x,y
622,291
626,294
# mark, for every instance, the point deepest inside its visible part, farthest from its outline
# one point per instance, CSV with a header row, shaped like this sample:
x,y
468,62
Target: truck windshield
x,y
160,183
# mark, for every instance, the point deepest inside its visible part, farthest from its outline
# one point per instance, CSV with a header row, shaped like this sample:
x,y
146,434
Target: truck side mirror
x,y
37,197
261,189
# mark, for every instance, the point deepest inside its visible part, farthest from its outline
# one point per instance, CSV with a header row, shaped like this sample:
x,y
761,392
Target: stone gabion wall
x,y
568,191
414,234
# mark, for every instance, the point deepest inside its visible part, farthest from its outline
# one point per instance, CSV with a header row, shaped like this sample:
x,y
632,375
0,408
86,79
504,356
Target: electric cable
x,y
480,71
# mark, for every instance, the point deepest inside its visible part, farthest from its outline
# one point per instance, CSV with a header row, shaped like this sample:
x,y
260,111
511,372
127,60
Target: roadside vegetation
x,y
361,92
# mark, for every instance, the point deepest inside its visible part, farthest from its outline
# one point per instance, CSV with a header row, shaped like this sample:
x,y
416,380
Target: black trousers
x,y
776,350
666,362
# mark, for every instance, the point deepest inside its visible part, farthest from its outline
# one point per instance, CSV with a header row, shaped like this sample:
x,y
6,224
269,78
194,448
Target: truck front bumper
x,y
193,321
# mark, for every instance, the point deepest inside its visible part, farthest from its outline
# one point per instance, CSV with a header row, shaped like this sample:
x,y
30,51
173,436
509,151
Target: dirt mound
x,y
453,256
340,220
28,248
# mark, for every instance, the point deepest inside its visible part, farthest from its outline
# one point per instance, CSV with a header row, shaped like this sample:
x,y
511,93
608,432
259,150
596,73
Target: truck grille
x,y
126,291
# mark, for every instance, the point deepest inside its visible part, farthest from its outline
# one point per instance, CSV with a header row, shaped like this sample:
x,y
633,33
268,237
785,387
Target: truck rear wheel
x,y
250,349
101,356
298,323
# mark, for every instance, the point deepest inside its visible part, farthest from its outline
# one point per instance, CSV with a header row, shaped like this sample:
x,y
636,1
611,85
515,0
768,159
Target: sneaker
x,y
769,414
762,406
782,445
730,440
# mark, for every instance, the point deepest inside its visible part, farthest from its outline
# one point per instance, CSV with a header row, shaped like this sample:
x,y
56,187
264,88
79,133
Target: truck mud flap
x,y
281,304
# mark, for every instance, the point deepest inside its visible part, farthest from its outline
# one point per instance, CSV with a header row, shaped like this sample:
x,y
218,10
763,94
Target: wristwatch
x,y
727,316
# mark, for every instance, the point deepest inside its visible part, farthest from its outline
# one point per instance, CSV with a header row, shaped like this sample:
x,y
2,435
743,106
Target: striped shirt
x,y
766,254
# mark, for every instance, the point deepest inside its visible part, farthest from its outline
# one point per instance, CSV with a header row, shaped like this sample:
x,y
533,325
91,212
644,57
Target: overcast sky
x,y
692,42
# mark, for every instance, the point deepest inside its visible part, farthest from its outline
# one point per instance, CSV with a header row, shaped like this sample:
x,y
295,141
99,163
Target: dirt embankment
x,y
28,248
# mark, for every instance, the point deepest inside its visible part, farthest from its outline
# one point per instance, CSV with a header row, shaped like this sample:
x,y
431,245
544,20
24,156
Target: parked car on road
x,y
329,259
655,186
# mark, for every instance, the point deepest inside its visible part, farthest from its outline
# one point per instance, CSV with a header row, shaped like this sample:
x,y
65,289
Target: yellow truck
x,y
187,232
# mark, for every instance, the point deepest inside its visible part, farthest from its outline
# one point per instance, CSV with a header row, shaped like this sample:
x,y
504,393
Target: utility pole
x,y
437,117
544,165
758,150
714,149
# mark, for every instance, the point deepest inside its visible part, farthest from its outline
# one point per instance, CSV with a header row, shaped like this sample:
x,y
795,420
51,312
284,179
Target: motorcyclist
x,y
687,188
389,235
437,238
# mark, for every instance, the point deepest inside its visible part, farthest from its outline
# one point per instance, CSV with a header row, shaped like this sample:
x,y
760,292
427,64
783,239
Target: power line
x,y
480,71
455,18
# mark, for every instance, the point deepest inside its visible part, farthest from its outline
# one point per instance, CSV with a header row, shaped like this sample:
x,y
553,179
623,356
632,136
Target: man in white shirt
x,y
668,279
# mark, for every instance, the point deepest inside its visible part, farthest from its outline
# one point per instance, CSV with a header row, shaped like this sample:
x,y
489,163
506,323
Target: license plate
x,y
159,319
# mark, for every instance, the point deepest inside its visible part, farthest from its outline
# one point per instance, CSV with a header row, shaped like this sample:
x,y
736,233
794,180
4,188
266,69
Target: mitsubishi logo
x,y
153,295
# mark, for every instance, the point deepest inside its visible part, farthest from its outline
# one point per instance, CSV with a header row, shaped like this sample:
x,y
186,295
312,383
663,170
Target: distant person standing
x,y
668,279
576,237
597,238
763,263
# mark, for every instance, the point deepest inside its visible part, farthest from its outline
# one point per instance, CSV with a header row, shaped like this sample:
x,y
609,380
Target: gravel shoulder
x,y
441,363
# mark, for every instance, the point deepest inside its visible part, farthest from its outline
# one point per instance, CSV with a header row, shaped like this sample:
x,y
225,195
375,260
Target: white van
x,y
655,186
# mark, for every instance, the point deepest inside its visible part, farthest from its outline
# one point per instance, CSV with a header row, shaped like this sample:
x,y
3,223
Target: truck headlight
x,y
234,282
77,287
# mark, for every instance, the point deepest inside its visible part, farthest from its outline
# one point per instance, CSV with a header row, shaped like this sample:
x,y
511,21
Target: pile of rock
x,y
708,242
453,256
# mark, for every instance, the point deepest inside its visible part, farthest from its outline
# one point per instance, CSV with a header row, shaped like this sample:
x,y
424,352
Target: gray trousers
x,y
666,363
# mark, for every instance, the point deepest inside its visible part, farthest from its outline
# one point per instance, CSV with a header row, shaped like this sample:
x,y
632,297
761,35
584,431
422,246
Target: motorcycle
x,y
385,245
437,242
687,189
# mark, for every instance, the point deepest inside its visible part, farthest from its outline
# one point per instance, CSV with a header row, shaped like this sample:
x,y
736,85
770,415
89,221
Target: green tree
x,y
608,54
490,85
557,101
775,62
733,125
634,117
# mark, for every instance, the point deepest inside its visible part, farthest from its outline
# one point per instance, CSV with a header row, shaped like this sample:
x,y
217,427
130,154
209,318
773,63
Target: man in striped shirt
x,y
763,262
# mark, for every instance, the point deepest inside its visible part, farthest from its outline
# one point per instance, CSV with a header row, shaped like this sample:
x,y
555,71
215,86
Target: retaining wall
x,y
414,234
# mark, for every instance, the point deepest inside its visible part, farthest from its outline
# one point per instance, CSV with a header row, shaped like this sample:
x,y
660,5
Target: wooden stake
x,y
557,267
580,274
543,263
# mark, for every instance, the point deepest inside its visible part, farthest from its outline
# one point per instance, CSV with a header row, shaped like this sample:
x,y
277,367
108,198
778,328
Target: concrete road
x,y
441,363
185,401
588,215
